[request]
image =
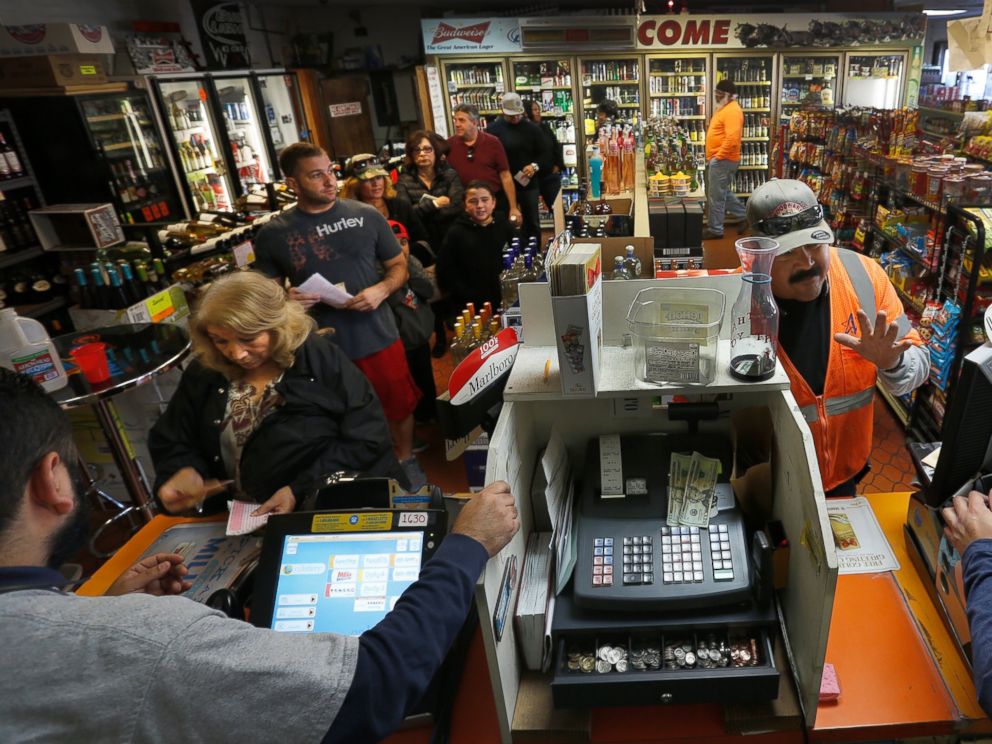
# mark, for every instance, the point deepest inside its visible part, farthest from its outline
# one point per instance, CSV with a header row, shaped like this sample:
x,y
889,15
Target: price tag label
x,y
412,519
160,306
244,254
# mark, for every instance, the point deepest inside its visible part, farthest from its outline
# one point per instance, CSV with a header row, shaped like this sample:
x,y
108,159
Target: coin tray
x,y
646,668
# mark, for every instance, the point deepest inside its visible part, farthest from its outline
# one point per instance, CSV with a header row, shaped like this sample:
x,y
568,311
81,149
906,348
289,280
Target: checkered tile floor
x,y
891,467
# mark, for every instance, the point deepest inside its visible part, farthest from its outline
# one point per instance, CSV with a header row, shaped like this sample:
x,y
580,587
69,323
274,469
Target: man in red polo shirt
x,y
476,155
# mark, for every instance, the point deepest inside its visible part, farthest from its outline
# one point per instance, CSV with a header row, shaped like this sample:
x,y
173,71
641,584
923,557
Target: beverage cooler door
x,y
874,80
241,112
549,82
282,111
753,75
811,79
198,142
677,86
608,79
479,82
122,129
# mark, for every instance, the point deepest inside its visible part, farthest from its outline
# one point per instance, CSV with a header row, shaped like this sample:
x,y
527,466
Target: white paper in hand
x,y
330,294
240,521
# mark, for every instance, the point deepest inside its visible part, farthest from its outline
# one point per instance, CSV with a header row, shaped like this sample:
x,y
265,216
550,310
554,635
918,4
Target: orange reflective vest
x,y
841,419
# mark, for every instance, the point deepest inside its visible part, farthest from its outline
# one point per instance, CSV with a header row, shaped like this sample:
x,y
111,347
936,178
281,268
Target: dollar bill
x,y
678,476
700,490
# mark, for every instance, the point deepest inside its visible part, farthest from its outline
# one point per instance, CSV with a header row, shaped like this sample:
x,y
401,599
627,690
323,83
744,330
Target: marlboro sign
x,y
483,367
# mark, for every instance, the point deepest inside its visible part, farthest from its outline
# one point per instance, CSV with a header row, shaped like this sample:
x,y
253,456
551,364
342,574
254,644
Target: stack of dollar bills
x,y
691,489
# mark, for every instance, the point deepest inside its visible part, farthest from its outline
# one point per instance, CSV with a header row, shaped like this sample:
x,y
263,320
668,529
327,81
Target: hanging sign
x,y
471,35
222,34
778,31
483,366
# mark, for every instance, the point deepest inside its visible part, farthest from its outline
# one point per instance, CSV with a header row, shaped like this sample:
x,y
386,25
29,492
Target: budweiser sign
x,y
474,33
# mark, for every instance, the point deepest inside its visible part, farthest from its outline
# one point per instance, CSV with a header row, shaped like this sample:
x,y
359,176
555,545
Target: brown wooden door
x,y
349,120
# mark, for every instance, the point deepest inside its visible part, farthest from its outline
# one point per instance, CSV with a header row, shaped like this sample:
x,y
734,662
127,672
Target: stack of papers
x,y
334,295
532,603
574,270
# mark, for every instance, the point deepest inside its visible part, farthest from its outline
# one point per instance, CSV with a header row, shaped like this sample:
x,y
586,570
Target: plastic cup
x,y
92,361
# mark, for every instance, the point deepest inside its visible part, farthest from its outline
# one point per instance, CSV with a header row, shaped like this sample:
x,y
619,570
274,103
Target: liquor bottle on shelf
x,y
14,169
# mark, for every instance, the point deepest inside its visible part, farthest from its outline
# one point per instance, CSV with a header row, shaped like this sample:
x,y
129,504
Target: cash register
x,y
964,464
660,612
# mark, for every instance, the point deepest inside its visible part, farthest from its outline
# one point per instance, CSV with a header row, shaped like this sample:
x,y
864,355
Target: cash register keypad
x,y
723,566
638,560
681,555
602,561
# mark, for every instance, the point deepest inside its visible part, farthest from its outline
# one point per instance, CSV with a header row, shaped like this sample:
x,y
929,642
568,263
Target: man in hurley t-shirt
x,y
343,241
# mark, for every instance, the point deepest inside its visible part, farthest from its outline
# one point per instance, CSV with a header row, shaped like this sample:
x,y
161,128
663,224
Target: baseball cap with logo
x,y
512,104
787,211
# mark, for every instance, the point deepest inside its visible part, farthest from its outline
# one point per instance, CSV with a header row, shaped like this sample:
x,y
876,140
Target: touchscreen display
x,y
343,583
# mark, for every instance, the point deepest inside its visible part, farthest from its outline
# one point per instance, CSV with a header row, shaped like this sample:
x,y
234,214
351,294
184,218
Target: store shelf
x,y
676,74
753,82
543,87
940,112
628,105
473,85
613,82
490,112
809,77
16,183
755,139
119,146
910,302
939,135
12,258
42,308
756,110
979,158
685,116
688,94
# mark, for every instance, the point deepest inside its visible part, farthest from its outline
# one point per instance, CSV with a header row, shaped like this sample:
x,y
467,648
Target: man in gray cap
x,y
522,141
841,328
723,156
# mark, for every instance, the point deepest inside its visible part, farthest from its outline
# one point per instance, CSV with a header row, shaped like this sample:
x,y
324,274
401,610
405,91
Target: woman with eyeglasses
x,y
430,184
369,182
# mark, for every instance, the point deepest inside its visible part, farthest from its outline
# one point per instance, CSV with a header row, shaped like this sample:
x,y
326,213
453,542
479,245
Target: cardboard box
x,y
168,306
52,71
54,38
579,336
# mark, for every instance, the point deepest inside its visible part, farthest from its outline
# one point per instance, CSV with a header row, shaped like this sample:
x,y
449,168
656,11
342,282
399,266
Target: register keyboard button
x,y
607,581
648,578
723,575
597,560
629,578
597,580
667,577
608,542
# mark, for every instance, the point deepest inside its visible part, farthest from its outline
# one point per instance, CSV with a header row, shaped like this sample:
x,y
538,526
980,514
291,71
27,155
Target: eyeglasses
x,y
788,223
426,148
470,153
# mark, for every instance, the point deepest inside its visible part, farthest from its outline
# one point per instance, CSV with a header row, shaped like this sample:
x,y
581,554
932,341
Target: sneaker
x,y
711,235
734,220
420,445
414,473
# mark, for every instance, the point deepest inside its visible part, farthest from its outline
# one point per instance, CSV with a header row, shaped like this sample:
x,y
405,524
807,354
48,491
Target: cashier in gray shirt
x,y
140,668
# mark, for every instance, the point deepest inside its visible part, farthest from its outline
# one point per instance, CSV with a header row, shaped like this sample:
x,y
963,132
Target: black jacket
x,y
401,210
551,154
469,263
446,183
523,143
330,420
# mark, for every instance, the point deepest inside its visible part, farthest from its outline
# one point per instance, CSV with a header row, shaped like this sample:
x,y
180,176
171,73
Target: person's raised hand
x,y
490,517
307,299
966,520
369,298
281,502
158,574
878,343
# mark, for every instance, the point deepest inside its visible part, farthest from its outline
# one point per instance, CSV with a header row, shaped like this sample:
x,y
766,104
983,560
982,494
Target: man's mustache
x,y
801,276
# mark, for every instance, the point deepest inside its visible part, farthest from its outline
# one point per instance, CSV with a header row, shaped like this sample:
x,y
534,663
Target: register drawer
x,y
702,682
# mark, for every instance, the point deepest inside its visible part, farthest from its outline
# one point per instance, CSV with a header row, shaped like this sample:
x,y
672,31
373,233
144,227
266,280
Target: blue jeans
x,y
720,197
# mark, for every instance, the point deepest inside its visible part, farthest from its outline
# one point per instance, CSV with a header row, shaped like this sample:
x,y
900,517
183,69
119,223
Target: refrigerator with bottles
x,y
198,139
678,86
478,81
549,81
115,146
246,128
808,79
754,76
608,77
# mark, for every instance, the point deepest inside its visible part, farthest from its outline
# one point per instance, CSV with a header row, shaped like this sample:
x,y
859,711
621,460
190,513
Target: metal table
x,y
137,353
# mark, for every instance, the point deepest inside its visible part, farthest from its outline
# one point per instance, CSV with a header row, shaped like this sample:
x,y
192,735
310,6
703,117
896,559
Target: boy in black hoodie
x,y
470,260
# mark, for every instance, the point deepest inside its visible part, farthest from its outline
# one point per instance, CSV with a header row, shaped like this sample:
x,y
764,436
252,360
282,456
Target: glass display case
x,y
874,79
753,75
479,82
197,139
677,87
245,134
810,79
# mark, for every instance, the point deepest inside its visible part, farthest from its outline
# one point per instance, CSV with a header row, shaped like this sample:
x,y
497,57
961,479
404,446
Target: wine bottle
x,y
118,298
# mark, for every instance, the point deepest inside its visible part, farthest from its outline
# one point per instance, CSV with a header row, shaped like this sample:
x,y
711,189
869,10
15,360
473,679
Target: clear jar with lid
x,y
935,180
919,178
953,187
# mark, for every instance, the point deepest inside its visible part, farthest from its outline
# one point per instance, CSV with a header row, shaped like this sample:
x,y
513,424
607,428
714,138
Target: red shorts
x,y
389,374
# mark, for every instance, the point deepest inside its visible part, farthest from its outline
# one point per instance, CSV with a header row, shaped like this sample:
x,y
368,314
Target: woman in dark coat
x,y
551,162
430,184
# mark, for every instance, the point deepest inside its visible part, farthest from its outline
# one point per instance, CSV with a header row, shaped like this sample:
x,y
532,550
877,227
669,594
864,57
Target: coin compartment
x,y
645,668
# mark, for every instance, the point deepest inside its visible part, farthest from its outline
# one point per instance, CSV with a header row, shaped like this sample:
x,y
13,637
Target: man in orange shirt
x,y
723,155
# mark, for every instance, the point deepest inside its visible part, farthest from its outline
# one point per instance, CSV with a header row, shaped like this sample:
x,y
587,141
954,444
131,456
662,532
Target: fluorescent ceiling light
x,y
932,12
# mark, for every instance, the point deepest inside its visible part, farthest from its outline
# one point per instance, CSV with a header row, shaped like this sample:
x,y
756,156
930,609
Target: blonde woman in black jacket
x,y
267,403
